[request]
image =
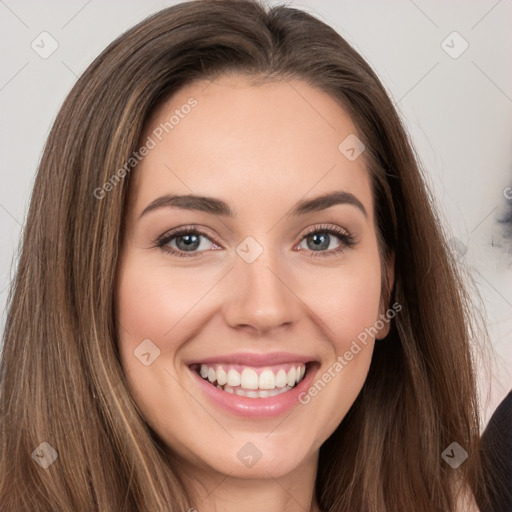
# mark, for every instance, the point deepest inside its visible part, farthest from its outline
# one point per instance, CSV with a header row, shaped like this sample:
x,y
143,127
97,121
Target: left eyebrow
x,y
326,201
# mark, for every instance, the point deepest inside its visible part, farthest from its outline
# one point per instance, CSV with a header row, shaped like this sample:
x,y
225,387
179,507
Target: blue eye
x,y
187,240
321,238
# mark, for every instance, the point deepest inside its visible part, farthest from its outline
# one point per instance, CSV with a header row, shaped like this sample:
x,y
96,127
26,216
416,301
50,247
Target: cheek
x,y
155,305
358,304
151,301
349,309
349,301
150,305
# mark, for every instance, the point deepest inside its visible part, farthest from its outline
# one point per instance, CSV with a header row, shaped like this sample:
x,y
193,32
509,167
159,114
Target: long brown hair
x,y
61,380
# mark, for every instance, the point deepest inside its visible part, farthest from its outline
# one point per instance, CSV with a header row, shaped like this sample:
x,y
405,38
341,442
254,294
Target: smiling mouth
x,y
252,382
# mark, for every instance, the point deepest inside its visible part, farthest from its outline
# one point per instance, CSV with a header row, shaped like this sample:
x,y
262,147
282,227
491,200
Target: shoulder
x,y
502,416
496,448
497,437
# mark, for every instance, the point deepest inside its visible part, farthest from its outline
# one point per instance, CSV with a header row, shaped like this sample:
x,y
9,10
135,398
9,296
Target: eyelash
x,y
347,240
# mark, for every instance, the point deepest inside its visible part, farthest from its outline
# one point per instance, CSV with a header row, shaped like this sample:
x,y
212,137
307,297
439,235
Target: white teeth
x,y
291,377
249,379
233,377
281,380
267,380
274,392
221,376
249,383
261,393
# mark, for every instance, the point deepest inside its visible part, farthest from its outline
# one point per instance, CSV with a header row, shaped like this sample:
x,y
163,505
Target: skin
x,y
260,148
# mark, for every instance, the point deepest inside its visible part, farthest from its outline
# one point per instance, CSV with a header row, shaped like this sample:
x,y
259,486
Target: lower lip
x,y
269,407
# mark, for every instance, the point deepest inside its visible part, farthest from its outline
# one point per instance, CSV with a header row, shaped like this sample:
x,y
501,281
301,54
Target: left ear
x,y
385,298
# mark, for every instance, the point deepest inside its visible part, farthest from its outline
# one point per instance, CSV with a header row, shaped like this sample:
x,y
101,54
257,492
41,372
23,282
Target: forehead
x,y
247,143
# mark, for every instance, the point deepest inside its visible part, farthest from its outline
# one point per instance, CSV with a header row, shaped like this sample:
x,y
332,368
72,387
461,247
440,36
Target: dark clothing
x,y
496,446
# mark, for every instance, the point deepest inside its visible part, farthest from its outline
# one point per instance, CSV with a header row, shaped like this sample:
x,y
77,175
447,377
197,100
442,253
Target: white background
x,y
457,110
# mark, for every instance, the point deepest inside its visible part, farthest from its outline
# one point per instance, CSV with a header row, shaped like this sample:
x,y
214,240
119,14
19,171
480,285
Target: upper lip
x,y
251,359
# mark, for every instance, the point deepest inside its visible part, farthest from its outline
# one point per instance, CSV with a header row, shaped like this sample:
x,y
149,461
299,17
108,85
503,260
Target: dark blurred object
x,y
496,446
504,220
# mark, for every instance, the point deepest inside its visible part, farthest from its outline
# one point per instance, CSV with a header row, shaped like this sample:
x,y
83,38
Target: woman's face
x,y
254,302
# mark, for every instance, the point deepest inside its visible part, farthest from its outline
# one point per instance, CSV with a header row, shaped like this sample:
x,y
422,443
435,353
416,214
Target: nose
x,y
261,296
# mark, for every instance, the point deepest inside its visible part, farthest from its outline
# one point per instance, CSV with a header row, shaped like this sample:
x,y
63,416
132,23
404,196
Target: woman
x,y
175,340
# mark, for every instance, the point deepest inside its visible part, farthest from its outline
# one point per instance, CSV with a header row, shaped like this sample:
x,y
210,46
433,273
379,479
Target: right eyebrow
x,y
191,202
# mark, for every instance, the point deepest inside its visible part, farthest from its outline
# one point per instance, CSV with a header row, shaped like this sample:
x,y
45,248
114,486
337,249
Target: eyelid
x,y
328,228
163,239
188,228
